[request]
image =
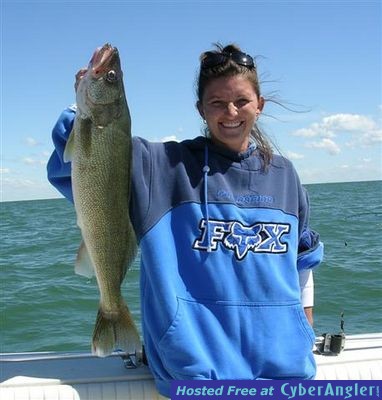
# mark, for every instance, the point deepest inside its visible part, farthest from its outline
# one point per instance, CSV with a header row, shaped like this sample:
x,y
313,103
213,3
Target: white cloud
x,y
36,159
327,144
19,183
332,172
28,161
31,142
5,170
33,162
170,138
294,156
359,130
369,138
332,125
305,132
349,122
20,188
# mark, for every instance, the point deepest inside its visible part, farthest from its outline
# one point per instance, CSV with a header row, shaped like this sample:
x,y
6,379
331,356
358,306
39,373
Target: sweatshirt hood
x,y
200,142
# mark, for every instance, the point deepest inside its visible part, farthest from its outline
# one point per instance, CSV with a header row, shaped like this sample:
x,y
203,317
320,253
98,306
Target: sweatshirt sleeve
x,y
310,248
59,172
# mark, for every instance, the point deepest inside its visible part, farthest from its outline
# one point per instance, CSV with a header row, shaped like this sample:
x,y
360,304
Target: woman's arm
x,y
309,314
59,172
310,255
307,292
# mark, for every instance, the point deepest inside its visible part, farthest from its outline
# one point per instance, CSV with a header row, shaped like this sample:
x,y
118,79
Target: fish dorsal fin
x,y
84,265
69,148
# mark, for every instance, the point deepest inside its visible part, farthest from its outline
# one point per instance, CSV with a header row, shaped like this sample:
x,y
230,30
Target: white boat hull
x,y
81,376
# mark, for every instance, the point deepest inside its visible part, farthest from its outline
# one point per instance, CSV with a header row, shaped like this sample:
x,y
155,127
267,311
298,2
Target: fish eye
x,y
111,76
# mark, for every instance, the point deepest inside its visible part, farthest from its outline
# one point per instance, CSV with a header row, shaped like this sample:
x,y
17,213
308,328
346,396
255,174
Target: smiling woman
x,y
230,107
229,99
223,228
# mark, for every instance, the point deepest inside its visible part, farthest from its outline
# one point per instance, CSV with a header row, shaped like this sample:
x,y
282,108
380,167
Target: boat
x,y
82,376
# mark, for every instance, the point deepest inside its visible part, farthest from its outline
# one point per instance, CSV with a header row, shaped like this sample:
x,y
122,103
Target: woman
x,y
222,224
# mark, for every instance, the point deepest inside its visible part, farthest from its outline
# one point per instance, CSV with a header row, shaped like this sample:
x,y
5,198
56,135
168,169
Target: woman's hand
x,y
79,75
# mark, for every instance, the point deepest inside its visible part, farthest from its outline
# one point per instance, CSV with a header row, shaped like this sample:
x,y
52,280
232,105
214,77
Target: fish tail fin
x,y
115,331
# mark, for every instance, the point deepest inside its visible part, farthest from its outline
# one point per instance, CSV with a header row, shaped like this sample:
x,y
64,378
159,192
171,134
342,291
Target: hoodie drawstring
x,y
206,170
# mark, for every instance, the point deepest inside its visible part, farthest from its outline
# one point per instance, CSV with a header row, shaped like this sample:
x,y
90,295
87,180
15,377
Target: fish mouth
x,y
103,59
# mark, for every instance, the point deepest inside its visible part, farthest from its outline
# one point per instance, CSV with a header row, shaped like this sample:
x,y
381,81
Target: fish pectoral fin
x,y
79,221
84,265
69,148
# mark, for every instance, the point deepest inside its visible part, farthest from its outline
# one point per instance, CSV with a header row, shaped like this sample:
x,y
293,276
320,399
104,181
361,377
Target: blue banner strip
x,y
275,390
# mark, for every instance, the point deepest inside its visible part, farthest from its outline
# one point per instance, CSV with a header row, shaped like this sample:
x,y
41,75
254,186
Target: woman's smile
x,y
233,124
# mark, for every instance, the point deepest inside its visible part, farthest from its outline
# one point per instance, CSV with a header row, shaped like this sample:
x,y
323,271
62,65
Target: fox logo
x,y
260,238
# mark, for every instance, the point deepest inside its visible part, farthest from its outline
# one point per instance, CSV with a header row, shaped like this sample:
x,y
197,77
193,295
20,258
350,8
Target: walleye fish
x,y
99,148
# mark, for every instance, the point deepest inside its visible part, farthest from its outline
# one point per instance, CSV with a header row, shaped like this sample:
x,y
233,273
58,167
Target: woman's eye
x,y
217,104
241,103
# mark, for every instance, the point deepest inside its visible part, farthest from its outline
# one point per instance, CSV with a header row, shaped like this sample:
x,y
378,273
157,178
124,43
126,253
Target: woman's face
x,y
230,107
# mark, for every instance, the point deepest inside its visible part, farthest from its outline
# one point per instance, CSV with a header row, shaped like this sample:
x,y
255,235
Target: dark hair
x,y
230,68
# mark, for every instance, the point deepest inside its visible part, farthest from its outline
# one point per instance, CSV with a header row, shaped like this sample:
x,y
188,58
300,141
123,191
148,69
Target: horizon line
x,y
60,197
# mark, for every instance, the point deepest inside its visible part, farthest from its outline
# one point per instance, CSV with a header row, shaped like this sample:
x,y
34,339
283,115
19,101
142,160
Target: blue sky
x,y
322,58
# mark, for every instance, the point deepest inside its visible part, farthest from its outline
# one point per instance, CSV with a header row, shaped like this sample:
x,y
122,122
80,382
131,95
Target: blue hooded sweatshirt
x,y
221,243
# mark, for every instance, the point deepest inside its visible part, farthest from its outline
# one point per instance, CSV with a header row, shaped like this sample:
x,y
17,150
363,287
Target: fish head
x,y
100,89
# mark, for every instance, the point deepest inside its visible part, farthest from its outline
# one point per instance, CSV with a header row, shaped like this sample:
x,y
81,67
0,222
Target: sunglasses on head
x,y
212,59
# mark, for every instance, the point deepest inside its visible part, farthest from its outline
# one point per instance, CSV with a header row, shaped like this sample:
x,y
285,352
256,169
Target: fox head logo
x,y
259,238
242,239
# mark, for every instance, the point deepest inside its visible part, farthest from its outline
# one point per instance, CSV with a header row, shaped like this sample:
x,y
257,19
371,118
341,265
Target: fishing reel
x,y
134,360
332,344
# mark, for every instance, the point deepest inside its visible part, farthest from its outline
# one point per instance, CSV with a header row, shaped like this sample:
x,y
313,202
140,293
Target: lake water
x,y
45,306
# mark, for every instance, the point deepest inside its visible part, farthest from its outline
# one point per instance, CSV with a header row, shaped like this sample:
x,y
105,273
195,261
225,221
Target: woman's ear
x,y
261,105
200,108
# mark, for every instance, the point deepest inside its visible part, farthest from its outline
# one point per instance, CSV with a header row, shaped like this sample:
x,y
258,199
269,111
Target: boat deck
x,y
81,376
